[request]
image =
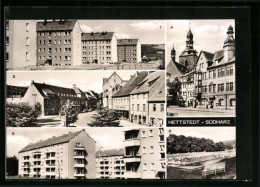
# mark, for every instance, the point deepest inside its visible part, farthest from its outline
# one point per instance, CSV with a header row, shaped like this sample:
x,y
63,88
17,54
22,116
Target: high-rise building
x,y
70,156
58,43
20,43
129,50
145,153
99,48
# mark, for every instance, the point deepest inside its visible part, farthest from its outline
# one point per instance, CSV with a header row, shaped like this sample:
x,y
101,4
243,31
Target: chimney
x,y
32,82
74,85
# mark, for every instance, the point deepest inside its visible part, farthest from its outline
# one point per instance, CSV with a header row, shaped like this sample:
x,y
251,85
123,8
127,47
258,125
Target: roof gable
x,y
97,36
64,25
127,41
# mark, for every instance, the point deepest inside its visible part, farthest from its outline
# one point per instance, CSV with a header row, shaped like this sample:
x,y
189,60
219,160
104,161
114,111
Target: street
x,y
193,112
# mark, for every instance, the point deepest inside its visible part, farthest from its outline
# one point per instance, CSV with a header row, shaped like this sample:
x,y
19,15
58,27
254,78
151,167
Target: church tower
x,y
189,56
173,54
229,45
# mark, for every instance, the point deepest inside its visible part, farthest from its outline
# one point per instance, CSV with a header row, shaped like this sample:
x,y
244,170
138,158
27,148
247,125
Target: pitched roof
x,y
64,25
106,79
159,94
175,69
97,36
209,56
131,84
111,152
127,41
219,59
51,141
150,80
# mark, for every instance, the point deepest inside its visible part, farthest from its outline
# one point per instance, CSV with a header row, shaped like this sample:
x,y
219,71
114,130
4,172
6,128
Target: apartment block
x,y
129,50
110,164
145,153
20,43
70,156
99,48
58,43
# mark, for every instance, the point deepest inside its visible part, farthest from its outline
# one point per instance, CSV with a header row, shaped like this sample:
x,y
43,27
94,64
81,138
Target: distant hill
x,y
232,142
152,51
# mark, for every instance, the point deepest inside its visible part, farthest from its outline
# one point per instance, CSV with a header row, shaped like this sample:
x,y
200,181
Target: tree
x,y
22,115
105,118
12,166
220,146
69,111
174,90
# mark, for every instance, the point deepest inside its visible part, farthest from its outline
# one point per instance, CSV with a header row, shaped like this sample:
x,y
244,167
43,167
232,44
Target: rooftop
x,y
59,25
97,36
127,41
111,152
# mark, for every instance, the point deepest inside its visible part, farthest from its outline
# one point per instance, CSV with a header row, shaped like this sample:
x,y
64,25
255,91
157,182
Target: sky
x,y
18,138
214,133
85,80
208,35
147,31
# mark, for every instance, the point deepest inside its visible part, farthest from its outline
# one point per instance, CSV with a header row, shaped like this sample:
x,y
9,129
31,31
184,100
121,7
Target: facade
x,y
121,99
20,43
156,104
129,50
92,99
110,164
139,111
52,97
58,43
99,48
110,86
145,153
70,156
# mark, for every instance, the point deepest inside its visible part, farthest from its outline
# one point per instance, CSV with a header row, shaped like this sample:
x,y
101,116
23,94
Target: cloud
x,y
98,28
15,144
122,36
147,25
54,82
23,83
86,28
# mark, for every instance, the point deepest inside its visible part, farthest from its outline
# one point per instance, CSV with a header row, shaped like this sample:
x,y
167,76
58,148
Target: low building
x,y
58,43
110,86
92,99
121,99
20,43
145,153
52,97
70,156
156,104
129,50
110,164
99,48
139,111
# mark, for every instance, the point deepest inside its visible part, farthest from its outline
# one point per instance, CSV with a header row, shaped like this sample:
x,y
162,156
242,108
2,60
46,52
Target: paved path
x,y
195,112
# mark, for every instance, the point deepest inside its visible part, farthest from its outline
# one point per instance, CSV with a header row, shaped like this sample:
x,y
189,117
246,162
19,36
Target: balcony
x,y
79,165
132,142
79,148
129,159
79,174
132,175
79,156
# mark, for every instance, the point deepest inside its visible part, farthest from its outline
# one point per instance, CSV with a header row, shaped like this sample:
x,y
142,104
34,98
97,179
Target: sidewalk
x,y
200,109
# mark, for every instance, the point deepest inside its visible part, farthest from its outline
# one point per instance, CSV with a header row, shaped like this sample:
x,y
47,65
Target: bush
x,y
22,115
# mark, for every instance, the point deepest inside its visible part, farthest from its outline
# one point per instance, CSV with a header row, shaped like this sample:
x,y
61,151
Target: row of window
x,y
96,42
67,58
27,26
225,71
92,47
66,50
126,51
66,33
139,96
66,41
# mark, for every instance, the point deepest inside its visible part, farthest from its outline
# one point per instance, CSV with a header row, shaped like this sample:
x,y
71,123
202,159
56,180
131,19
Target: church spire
x,y
189,39
173,53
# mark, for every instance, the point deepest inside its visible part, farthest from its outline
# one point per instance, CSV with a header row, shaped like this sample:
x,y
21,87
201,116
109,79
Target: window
x,y
227,71
7,56
162,107
7,25
27,27
162,147
150,132
138,107
161,130
49,51
144,150
27,41
144,107
227,86
144,166
7,40
43,42
151,149
231,86
161,138
133,106
231,70
143,134
214,73
154,107
27,55
162,155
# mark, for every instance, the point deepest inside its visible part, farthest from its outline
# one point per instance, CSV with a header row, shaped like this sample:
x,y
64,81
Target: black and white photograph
x,y
201,153
85,99
91,153
200,68
71,44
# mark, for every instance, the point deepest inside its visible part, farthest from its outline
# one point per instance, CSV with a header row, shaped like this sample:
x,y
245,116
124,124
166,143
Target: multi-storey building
x,y
145,153
139,97
70,156
110,86
58,43
52,97
20,43
121,99
129,50
156,104
99,48
110,164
